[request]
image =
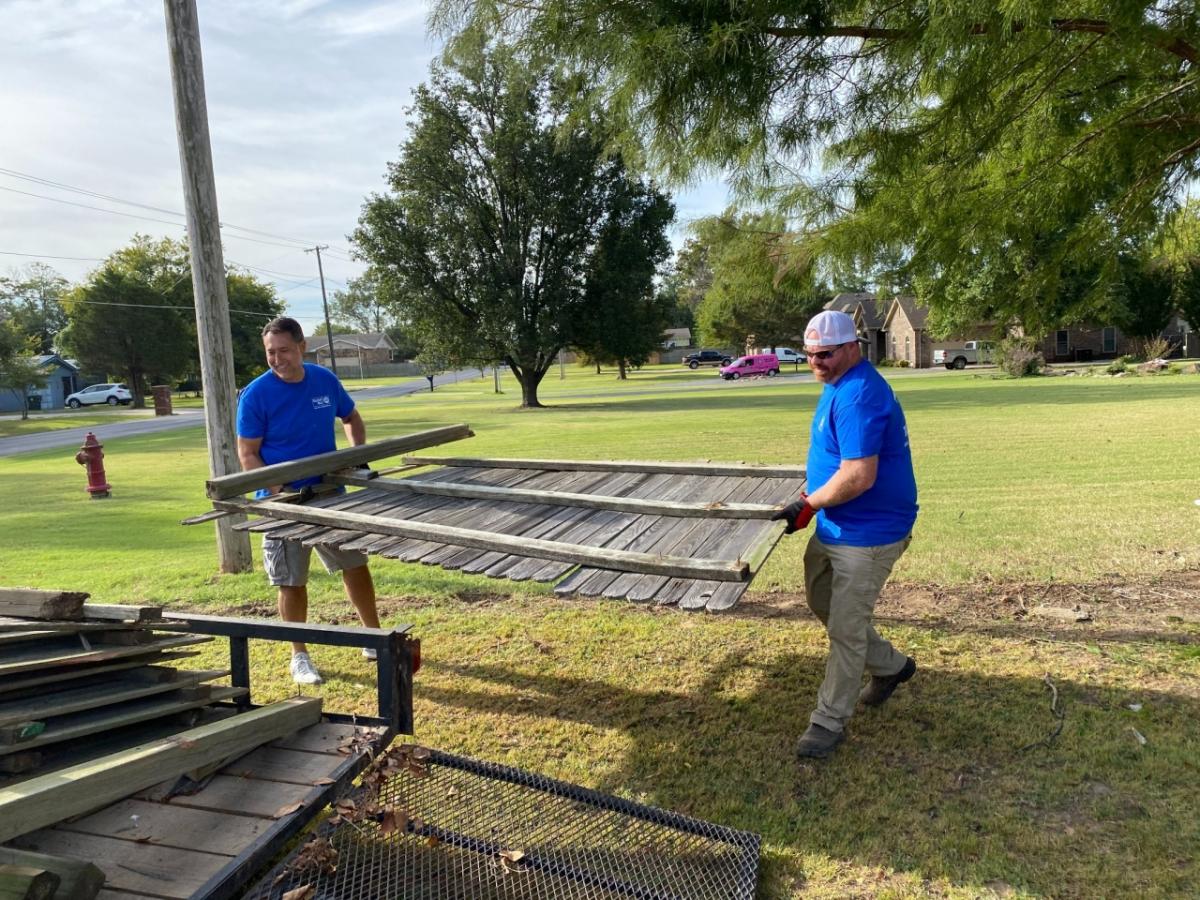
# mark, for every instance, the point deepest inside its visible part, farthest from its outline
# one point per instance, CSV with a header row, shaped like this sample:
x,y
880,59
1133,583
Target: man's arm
x,y
248,455
353,425
853,478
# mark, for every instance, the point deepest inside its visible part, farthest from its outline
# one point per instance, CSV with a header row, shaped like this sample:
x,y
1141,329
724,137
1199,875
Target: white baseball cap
x,y
829,327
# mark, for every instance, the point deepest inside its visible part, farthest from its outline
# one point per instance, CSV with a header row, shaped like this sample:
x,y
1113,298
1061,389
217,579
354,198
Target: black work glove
x,y
797,514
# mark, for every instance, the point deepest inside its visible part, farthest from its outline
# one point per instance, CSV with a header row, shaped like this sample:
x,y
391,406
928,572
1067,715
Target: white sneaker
x,y
369,653
303,670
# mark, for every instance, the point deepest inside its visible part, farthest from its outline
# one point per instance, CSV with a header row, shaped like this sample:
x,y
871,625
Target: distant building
x,y
356,349
62,378
675,338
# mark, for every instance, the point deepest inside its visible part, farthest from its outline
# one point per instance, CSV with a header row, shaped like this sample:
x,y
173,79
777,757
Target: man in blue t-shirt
x,y
286,413
862,492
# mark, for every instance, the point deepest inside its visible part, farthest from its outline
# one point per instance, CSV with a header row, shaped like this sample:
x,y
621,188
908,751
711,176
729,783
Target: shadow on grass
x,y
934,786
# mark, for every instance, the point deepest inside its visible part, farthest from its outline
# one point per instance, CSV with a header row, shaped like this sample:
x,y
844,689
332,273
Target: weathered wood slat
x,y
27,883
141,869
31,603
245,795
165,825
483,540
10,685
29,661
73,700
322,463
96,721
46,799
649,466
79,880
714,509
121,612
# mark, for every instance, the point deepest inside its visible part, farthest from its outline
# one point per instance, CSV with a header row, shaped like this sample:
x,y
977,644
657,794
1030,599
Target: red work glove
x,y
797,514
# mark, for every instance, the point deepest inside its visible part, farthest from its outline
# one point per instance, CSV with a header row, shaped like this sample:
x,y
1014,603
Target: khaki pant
x,y
843,585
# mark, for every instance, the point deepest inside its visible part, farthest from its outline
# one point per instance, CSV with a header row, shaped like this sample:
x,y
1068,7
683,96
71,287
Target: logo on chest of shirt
x,y
322,402
821,425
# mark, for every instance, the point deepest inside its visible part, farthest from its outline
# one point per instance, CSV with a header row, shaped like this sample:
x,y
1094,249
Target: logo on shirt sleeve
x,y
322,402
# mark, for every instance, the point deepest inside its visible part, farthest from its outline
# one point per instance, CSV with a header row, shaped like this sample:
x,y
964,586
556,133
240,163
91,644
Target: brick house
x,y
906,337
364,349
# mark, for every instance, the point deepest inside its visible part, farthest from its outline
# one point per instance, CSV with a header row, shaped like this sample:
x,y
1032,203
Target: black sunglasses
x,y
824,354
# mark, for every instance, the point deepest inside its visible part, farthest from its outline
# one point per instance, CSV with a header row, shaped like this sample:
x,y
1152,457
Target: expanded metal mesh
x,y
459,829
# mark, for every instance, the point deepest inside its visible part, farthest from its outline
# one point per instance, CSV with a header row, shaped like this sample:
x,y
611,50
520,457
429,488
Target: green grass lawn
x,y
1026,486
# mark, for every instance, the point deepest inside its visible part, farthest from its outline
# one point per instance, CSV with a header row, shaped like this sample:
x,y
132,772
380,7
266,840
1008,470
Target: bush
x,y
1152,348
1118,367
902,363
887,362
1019,357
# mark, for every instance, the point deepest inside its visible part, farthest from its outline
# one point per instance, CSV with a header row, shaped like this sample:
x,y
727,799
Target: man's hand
x,y
797,514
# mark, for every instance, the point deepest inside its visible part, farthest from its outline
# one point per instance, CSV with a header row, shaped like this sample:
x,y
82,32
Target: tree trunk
x,y
136,388
621,369
597,367
529,380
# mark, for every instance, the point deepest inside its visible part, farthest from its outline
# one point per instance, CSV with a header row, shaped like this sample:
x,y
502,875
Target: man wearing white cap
x,y
864,497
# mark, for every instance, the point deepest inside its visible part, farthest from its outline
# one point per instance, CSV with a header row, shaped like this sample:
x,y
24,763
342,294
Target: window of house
x,y
1109,339
893,346
908,347
1062,343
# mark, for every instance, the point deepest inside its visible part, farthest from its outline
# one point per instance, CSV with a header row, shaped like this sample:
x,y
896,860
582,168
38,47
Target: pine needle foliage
x,y
1030,143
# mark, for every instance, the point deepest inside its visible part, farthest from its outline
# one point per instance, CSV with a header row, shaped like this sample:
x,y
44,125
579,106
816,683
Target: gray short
x,y
286,562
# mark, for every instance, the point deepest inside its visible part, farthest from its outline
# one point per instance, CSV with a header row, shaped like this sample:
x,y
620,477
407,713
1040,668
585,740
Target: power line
x,y
12,173
86,206
244,312
48,256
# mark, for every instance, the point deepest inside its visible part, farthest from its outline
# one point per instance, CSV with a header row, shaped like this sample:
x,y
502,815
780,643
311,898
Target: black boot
x,y
882,686
818,742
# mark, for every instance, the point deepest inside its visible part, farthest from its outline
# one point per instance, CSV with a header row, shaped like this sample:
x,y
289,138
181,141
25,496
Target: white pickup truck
x,y
958,357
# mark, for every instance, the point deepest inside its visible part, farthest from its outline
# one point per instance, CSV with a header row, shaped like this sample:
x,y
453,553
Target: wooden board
x,y
248,795
288,766
484,540
604,465
165,825
35,604
109,718
12,684
283,473
128,866
37,659
46,799
79,880
116,690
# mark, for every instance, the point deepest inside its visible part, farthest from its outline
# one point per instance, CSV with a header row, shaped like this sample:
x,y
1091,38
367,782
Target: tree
x,y
488,235
622,318
755,293
32,298
363,304
134,316
19,371
117,323
1035,136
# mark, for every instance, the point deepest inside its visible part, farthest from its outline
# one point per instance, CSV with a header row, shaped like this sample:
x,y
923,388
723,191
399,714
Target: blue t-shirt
x,y
293,419
857,417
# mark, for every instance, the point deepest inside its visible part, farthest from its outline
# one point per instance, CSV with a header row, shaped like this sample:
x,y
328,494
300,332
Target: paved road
x,y
186,418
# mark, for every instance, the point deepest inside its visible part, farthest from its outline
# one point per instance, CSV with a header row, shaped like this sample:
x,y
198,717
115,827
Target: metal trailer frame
x,y
398,655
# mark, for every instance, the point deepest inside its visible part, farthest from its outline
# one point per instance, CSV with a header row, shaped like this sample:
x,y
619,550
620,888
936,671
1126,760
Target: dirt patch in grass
x,y
1165,608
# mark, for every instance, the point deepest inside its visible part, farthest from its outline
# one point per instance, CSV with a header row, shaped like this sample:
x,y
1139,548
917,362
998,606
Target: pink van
x,y
758,364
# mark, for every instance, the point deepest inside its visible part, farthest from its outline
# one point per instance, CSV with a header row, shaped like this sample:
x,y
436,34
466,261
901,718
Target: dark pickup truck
x,y
707,358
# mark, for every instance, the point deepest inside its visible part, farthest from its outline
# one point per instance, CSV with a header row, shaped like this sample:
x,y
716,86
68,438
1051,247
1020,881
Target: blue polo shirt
x,y
857,417
293,419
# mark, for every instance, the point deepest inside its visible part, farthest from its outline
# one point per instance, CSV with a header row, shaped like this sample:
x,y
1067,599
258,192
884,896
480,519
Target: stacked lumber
x,y
72,670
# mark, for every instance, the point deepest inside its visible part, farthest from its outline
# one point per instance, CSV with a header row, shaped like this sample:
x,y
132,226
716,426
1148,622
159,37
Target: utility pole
x,y
208,265
325,303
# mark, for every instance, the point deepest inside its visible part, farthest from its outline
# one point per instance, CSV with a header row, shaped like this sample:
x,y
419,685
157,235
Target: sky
x,y
306,106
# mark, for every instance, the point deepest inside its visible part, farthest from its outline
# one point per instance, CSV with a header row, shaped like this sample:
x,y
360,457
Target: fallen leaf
x,y
323,781
304,892
285,811
421,753
513,855
432,840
